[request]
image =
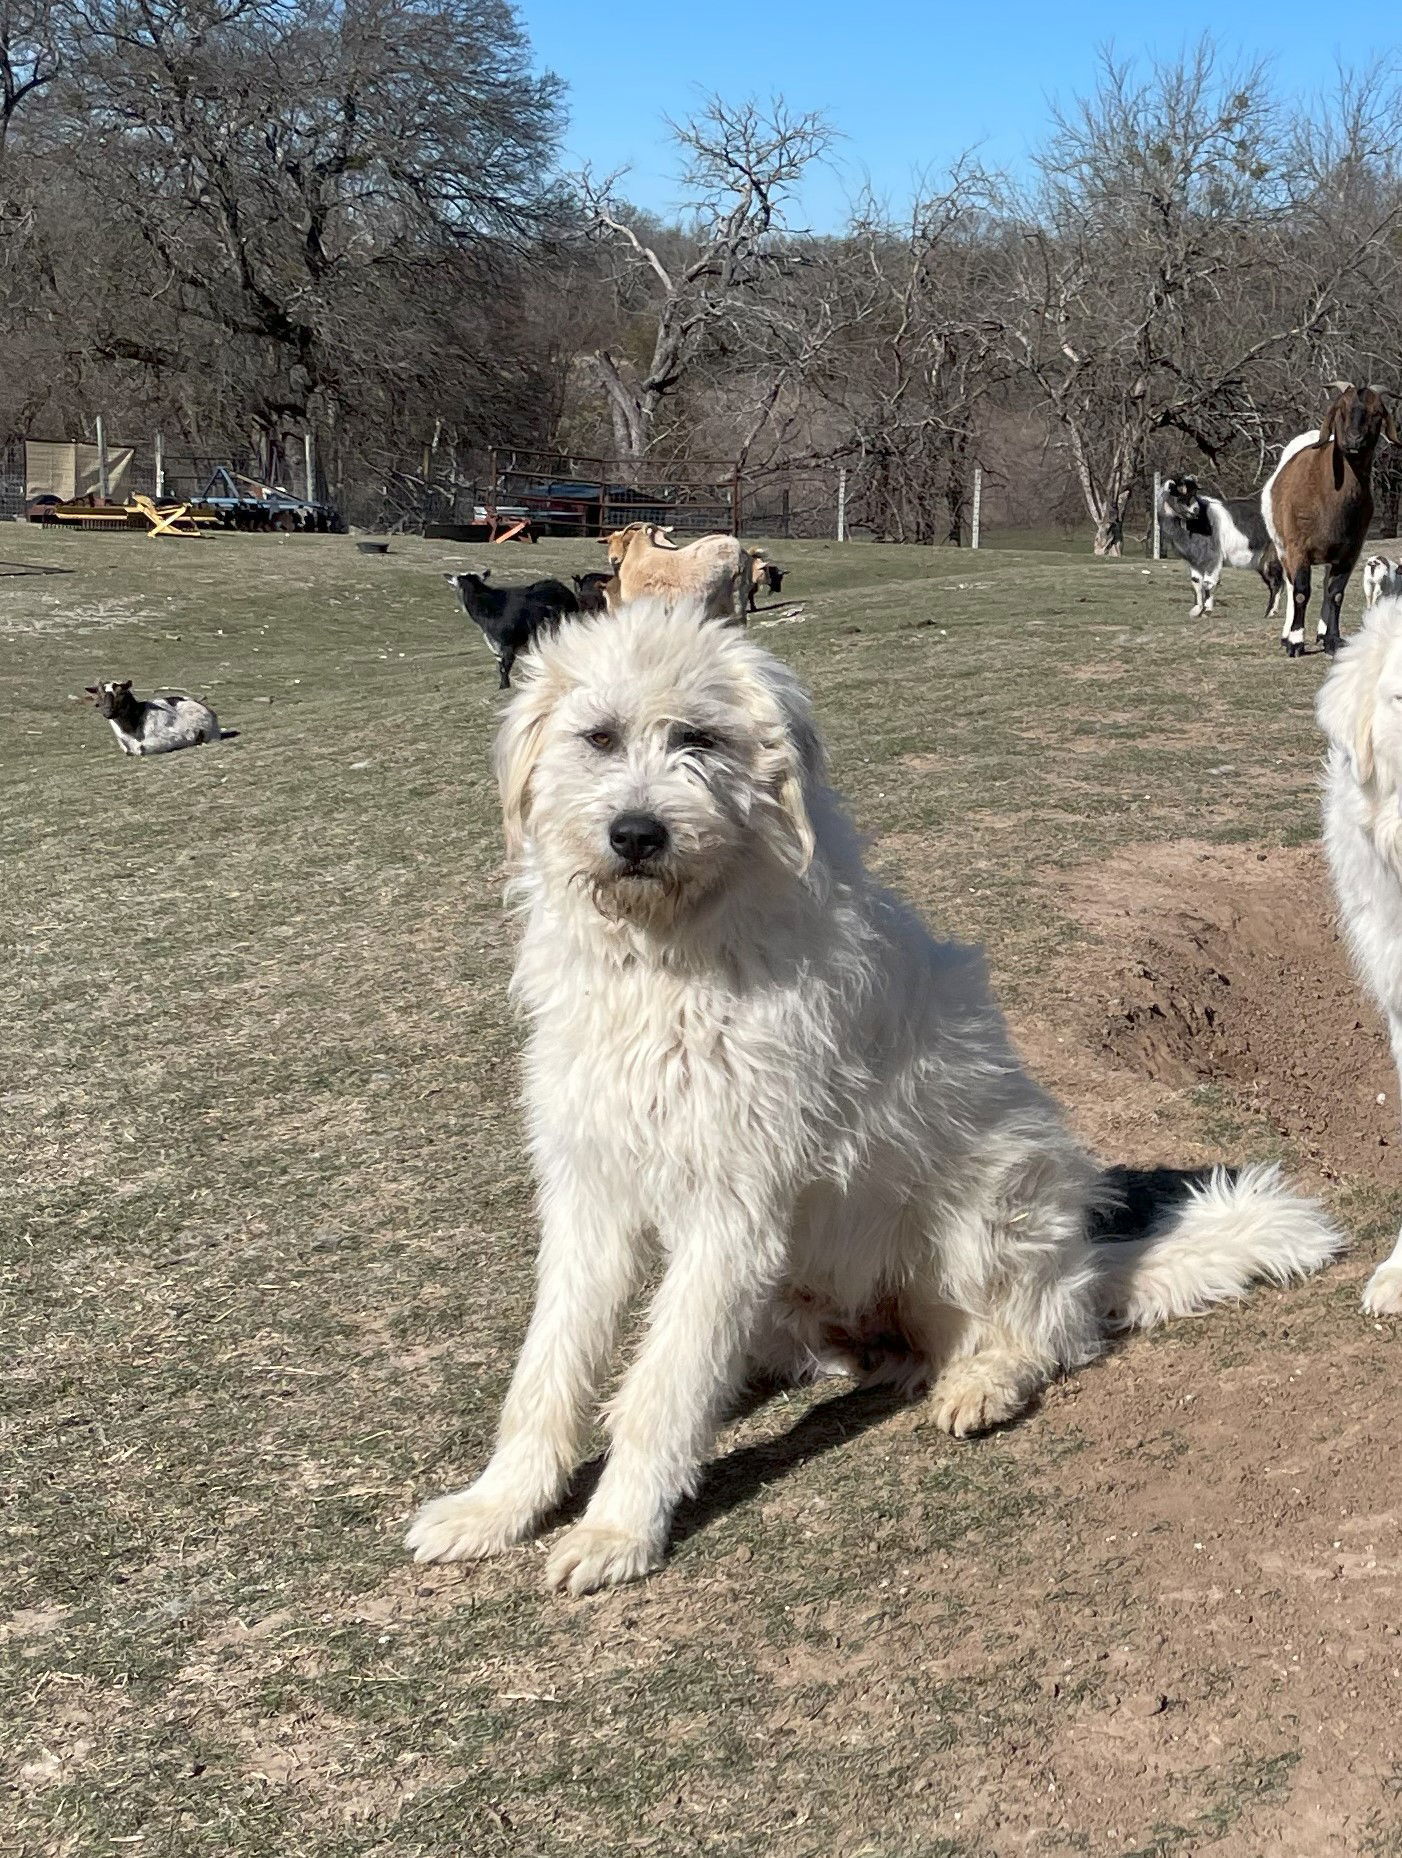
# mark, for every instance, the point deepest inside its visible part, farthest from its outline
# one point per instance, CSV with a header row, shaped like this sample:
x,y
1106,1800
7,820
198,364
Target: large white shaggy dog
x,y
746,1053
1360,710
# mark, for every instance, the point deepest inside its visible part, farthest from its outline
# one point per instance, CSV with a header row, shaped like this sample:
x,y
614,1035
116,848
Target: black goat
x,y
593,591
764,573
510,617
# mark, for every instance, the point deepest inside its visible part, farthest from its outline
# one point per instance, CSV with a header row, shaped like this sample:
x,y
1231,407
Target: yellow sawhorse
x,y
166,519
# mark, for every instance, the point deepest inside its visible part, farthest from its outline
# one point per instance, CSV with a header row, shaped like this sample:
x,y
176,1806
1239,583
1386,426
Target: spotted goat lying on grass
x,y
155,725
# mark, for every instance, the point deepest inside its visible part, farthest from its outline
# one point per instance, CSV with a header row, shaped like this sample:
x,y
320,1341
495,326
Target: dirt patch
x,y
1223,965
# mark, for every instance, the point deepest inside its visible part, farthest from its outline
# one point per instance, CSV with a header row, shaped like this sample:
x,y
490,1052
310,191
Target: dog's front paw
x,y
969,1399
590,1556
466,1526
1383,1297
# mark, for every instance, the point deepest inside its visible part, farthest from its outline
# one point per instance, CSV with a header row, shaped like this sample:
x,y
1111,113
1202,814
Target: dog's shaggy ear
x,y
518,748
1347,701
791,761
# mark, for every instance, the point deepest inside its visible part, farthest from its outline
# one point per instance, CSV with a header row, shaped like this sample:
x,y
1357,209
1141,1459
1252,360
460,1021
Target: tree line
x,y
238,220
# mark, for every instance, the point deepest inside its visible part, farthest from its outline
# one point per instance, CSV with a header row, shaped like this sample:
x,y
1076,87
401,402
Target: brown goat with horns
x,y
1318,504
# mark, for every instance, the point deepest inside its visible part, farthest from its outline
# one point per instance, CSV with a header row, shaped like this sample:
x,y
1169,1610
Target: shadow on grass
x,y
732,1480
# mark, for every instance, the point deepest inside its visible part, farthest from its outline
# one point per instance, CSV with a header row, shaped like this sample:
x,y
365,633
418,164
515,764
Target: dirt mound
x,y
1228,968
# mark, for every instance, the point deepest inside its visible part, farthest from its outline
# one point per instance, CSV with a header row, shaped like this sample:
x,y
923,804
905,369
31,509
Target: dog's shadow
x,y
743,1473
749,1469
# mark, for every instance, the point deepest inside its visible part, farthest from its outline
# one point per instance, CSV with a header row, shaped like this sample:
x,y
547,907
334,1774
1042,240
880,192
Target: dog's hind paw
x,y
1383,1297
464,1526
969,1398
590,1556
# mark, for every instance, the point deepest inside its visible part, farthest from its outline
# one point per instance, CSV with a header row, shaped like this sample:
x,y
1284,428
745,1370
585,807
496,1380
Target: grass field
x,y
268,1250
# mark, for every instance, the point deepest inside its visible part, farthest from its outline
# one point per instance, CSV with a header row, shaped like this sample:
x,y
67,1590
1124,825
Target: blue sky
x,y
909,86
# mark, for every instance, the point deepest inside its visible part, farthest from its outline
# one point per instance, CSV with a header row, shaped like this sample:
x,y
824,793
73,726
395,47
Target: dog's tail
x,y
1226,1229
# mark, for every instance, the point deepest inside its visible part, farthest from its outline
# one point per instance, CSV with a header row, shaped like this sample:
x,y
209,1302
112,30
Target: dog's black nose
x,y
637,837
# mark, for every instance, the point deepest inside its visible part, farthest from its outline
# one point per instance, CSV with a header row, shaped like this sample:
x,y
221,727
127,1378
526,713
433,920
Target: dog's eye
x,y
603,739
697,740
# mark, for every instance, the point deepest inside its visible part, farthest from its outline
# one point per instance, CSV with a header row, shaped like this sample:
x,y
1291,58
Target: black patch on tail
x,y
1131,1202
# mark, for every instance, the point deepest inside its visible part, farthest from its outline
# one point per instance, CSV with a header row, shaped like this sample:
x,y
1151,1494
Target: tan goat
x,y
714,569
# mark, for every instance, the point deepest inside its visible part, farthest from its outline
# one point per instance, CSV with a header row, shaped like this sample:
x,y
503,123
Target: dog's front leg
x,y
589,1261
723,1266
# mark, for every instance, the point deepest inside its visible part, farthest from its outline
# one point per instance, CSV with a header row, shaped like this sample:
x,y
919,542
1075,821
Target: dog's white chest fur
x,y
638,1058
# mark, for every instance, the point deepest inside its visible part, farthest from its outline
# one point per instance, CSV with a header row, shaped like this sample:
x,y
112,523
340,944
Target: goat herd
x,y
1313,512
715,572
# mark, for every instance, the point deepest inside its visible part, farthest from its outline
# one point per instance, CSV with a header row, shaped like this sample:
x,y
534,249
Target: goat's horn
x,y
1339,387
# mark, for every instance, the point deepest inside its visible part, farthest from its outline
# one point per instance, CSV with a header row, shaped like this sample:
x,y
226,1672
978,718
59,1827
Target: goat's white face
x,y
648,755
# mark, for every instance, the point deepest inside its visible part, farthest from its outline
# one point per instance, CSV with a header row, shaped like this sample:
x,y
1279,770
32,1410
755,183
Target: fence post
x,y
1158,540
309,463
103,482
842,503
160,449
975,522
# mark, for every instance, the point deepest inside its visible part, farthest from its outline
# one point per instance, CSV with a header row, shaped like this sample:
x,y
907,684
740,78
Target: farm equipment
x,y
241,502
229,500
138,512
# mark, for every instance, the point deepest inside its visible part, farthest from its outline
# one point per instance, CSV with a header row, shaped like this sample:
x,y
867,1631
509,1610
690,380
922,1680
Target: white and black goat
x,y
155,725
1381,578
1213,533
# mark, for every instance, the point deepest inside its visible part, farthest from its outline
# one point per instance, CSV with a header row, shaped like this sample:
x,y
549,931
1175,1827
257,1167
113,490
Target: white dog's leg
x,y
588,1264
1383,1296
663,1418
1023,1273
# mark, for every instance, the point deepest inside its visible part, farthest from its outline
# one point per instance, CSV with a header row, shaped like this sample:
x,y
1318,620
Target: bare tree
x,y
743,163
300,175
31,56
919,360
1153,277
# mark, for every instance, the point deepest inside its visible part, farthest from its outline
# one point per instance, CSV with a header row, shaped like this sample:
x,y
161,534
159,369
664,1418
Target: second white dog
x,y
1360,710
745,1052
